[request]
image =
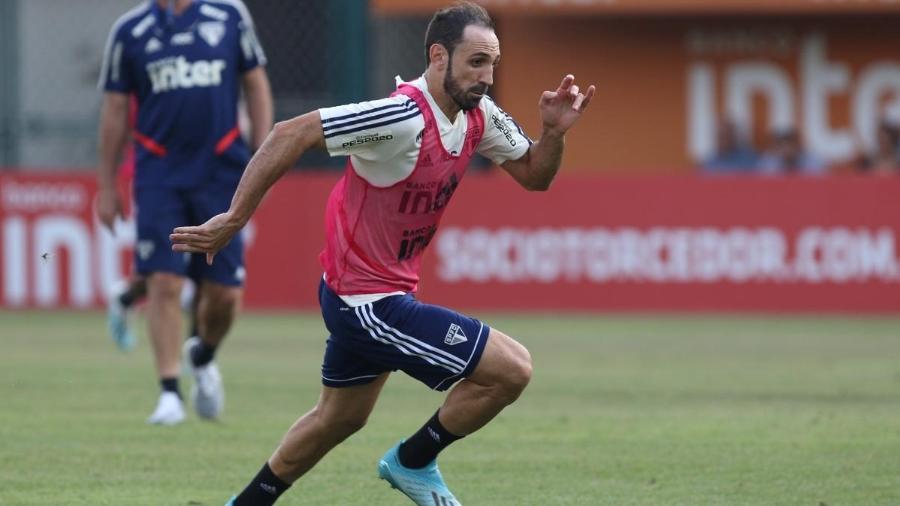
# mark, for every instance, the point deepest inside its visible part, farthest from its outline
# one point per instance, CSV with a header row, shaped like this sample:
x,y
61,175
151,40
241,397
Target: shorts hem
x,y
341,383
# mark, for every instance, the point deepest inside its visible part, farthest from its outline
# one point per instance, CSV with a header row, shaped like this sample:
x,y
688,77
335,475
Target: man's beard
x,y
462,98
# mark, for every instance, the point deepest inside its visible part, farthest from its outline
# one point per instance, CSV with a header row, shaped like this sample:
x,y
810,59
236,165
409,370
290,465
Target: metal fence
x,y
321,53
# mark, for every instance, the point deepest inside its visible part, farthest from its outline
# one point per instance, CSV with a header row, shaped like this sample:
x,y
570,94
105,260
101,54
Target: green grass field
x,y
622,410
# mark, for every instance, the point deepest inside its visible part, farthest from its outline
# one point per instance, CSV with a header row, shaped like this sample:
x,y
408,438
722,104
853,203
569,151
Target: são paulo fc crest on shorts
x,y
455,335
212,32
145,249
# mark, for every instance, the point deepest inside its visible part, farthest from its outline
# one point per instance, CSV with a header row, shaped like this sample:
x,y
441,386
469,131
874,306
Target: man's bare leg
x,y
336,416
499,378
165,321
166,327
216,308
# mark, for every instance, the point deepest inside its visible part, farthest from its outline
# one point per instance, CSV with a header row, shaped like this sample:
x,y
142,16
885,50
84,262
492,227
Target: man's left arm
x,y
258,94
559,109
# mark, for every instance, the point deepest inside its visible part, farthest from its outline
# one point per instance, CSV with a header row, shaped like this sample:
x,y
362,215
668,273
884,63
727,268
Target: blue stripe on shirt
x,y
354,124
400,107
367,126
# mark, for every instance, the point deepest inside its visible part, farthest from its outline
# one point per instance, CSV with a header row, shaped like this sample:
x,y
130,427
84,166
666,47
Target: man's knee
x,y
518,372
165,286
340,424
505,367
348,425
222,298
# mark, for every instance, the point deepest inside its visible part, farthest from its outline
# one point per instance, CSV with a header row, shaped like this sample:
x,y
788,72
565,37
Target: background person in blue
x,y
185,61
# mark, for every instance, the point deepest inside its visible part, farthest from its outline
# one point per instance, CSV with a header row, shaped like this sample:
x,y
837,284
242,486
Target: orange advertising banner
x,y
619,7
665,86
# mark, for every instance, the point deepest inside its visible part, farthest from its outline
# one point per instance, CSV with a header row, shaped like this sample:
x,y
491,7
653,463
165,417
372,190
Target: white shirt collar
x,y
439,115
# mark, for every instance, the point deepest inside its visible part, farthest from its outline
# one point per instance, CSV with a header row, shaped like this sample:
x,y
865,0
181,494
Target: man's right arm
x,y
113,134
287,141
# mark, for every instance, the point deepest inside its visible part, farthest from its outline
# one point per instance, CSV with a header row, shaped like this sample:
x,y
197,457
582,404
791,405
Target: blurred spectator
x,y
786,155
734,153
885,159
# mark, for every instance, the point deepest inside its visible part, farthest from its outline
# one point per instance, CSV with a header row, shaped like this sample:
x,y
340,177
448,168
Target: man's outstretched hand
x,y
208,238
560,109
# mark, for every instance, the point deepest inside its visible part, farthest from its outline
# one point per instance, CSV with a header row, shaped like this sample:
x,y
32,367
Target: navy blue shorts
x,y
160,210
432,344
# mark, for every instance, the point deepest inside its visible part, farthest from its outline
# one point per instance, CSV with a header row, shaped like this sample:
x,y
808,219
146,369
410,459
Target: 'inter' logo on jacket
x,y
174,73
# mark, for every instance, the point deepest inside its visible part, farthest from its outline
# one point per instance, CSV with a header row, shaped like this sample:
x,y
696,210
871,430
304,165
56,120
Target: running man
x,y
186,62
407,156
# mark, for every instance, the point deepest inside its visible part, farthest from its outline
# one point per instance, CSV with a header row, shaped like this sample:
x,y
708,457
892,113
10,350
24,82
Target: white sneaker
x,y
117,319
169,410
207,392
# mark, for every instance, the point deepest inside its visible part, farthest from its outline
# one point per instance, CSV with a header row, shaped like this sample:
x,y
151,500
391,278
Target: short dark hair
x,y
447,25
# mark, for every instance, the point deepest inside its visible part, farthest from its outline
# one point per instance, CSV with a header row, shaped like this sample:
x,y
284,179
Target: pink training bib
x,y
375,237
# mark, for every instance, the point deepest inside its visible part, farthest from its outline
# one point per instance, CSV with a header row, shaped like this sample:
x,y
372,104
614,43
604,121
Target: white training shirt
x,y
382,137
